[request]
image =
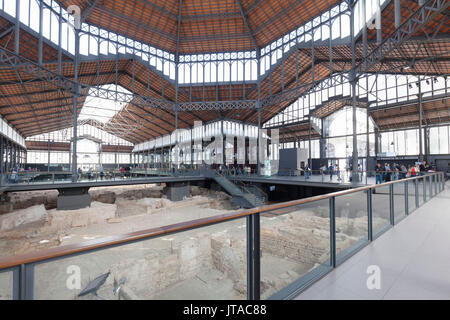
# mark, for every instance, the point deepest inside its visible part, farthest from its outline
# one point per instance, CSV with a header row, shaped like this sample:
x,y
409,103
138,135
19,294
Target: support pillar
x,y
73,198
1,156
258,107
75,107
48,155
353,81
378,23
17,29
177,191
397,13
420,122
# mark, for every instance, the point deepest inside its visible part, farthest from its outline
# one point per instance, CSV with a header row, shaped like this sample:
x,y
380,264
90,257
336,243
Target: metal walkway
x,y
413,259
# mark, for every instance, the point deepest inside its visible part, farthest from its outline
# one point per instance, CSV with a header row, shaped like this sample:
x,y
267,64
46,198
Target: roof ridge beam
x,y
250,32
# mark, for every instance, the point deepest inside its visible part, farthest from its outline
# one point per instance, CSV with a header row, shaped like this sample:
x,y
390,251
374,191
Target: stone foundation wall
x,y
162,268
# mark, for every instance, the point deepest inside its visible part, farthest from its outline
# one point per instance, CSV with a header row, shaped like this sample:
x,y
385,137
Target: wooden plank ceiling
x,y
206,25
35,106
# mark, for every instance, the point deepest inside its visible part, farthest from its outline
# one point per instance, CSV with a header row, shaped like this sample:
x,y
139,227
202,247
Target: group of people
x,y
13,176
332,169
234,170
90,173
395,171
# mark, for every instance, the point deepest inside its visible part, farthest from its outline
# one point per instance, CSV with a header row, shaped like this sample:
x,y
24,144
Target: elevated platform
x,y
98,183
59,180
313,181
412,257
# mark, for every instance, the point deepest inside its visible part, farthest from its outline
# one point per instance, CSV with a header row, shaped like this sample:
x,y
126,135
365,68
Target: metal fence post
x,y
424,189
406,198
332,232
250,286
391,203
416,187
435,179
256,257
23,282
431,186
369,214
253,257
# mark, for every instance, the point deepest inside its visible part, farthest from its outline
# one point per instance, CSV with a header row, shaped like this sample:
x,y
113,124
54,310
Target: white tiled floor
x,y
413,256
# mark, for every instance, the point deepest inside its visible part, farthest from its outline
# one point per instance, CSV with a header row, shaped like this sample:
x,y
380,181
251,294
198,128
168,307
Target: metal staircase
x,y
242,196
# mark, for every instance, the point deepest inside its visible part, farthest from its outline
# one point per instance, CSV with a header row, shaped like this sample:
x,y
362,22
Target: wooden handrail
x,y
122,239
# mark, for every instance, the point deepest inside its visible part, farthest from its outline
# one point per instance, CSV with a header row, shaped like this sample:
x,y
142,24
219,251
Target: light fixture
x,y
410,85
427,81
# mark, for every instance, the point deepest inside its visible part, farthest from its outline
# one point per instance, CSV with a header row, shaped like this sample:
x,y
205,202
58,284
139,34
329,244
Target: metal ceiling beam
x,y
250,32
177,52
6,32
253,6
88,10
413,24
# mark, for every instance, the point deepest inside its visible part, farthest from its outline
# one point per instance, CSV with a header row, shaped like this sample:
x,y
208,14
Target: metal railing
x,y
380,206
58,177
322,176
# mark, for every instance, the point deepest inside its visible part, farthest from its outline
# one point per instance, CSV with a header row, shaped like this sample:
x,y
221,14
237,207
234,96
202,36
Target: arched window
x,y
345,25
45,23
84,44
325,32
93,45
336,28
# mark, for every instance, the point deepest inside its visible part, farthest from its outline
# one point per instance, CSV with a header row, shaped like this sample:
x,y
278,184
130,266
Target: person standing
x,y
413,171
387,173
422,168
404,171
378,174
330,170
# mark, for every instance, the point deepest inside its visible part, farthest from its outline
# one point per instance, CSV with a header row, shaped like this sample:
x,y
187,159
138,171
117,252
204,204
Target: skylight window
x,y
102,110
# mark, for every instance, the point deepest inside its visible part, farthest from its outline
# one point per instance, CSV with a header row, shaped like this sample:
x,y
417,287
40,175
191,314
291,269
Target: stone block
x,y
21,217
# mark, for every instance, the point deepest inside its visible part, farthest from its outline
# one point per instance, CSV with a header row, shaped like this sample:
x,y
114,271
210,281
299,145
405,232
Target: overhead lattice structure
x,y
183,61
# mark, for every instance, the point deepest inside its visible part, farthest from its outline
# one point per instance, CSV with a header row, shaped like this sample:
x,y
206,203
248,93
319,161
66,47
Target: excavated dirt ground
x,y
204,263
